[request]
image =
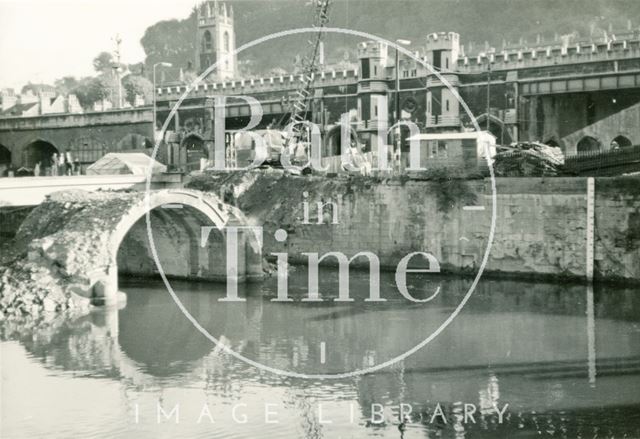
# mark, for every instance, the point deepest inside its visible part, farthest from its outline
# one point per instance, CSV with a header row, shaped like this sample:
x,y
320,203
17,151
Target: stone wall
x,y
540,226
108,131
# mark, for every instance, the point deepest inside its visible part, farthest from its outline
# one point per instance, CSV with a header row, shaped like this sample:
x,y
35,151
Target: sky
x,y
43,40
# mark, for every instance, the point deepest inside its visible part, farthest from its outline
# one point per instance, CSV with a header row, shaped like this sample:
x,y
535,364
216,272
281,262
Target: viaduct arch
x,y
497,127
86,238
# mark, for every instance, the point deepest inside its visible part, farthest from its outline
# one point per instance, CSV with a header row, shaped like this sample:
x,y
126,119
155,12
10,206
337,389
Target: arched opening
x,y
39,151
193,149
132,142
5,160
177,233
333,141
207,41
622,142
497,128
177,230
552,142
587,144
225,39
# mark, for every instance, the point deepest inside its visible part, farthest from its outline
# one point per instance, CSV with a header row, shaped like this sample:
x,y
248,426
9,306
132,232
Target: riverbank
x,y
541,224
540,230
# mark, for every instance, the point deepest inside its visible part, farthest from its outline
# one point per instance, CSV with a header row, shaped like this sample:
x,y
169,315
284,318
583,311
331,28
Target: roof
x,y
471,135
135,163
18,109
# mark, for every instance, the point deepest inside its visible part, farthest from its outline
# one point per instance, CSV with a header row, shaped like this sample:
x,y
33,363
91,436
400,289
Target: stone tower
x,y
443,109
216,40
373,106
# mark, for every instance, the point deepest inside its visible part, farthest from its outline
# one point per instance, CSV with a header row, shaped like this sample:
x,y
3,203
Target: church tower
x,y
216,39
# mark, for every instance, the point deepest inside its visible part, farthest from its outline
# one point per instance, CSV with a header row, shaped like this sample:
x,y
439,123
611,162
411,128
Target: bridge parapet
x,y
68,120
552,55
255,85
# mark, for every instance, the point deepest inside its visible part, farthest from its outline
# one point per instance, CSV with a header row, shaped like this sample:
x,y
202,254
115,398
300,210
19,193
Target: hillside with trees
x,y
494,21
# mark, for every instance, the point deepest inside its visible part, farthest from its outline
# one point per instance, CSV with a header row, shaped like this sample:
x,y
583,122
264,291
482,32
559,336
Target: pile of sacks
x,y
529,159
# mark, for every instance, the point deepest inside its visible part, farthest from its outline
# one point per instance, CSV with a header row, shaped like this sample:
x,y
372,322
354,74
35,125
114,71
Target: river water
x,y
555,360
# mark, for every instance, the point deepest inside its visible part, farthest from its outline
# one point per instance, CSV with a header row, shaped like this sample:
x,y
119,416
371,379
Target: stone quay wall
x,y
540,223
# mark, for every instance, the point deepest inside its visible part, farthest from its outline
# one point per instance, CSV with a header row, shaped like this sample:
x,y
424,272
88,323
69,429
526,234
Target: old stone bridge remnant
x,y
86,239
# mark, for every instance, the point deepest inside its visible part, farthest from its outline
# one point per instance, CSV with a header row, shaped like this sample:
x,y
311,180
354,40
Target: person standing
x,y
69,162
54,164
62,168
36,170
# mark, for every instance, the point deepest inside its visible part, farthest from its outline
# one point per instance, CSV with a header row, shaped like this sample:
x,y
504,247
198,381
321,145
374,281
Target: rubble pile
x,y
31,290
529,159
39,275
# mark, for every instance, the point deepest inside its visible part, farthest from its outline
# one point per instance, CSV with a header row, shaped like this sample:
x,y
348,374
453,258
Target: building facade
x,y
578,94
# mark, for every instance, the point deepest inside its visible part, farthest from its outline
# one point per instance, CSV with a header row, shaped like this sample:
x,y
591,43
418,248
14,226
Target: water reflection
x,y
531,346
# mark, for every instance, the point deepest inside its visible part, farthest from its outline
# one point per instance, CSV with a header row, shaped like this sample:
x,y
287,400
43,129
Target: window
x,y
446,61
437,59
225,39
375,70
414,73
364,69
207,43
446,104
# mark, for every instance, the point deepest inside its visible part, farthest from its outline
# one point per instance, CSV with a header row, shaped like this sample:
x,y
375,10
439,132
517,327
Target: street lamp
x,y
163,64
397,103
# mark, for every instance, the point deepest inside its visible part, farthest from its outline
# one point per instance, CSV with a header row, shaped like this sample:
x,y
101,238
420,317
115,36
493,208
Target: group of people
x,y
59,164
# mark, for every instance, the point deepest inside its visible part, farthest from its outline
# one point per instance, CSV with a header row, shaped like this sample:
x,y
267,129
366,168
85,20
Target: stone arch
x,y
622,141
192,149
496,127
38,150
134,141
333,139
588,144
5,160
90,229
552,142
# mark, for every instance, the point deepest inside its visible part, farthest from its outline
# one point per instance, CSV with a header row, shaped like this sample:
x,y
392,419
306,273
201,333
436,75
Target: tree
x,y
137,69
170,41
65,85
104,62
94,89
137,85
37,88
89,91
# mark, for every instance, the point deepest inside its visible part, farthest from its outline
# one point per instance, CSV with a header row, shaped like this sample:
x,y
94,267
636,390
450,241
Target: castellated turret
x,y
442,50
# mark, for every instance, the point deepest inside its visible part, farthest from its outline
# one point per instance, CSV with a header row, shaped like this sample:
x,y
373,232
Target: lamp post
x,y
397,97
163,64
488,91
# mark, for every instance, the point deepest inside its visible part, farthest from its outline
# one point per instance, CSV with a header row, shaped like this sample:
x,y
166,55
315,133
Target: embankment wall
x,y
540,224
